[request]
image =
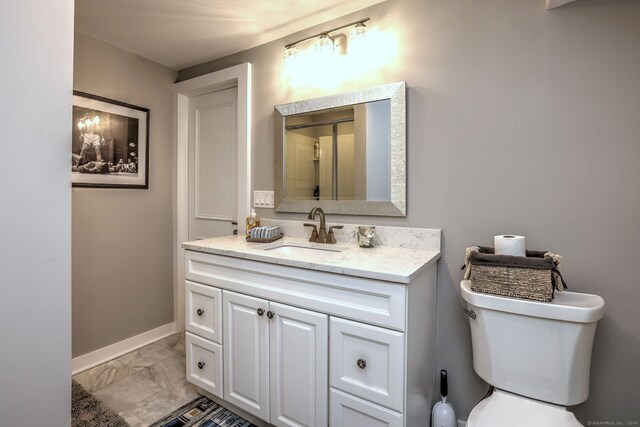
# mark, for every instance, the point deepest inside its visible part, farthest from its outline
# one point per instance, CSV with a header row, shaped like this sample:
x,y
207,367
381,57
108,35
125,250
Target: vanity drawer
x,y
204,311
368,362
204,364
349,411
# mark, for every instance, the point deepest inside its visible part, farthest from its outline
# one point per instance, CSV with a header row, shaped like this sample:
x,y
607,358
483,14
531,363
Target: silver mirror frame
x,y
396,93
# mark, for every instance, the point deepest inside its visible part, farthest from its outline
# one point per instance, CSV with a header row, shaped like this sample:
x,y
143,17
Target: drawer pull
x,y
362,364
200,312
201,365
270,314
260,312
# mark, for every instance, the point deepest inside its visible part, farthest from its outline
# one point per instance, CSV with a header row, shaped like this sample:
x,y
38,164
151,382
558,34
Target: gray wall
x,y
122,238
35,212
520,120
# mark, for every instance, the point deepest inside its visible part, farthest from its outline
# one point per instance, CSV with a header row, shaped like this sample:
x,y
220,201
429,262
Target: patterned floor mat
x,y
202,412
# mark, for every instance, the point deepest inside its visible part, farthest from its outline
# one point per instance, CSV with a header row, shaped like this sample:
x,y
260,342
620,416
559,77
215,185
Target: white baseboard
x,y
104,354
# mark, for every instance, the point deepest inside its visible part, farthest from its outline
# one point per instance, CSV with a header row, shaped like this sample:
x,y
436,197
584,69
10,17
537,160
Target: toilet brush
x,y
443,414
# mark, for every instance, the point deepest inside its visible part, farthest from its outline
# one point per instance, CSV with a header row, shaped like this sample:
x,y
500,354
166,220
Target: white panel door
x,y
299,366
212,164
246,353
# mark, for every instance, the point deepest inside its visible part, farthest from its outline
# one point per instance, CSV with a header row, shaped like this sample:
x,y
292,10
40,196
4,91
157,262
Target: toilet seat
x,y
504,409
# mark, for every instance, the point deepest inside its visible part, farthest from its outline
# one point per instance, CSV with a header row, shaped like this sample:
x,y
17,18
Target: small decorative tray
x,y
269,240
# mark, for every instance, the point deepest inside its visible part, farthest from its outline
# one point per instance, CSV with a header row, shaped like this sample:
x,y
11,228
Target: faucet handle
x,y
330,237
314,233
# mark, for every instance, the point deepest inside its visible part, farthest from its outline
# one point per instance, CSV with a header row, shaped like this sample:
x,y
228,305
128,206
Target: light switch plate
x,y
263,199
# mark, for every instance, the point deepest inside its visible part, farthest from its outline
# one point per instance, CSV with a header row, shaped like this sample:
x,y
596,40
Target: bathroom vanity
x,y
298,333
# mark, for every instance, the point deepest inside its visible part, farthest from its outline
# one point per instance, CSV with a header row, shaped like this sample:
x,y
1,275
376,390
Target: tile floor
x,y
144,385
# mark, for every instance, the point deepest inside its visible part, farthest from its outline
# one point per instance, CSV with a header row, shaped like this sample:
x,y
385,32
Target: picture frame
x,y
110,143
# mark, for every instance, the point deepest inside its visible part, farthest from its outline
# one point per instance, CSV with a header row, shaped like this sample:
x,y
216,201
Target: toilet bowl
x,y
536,354
504,409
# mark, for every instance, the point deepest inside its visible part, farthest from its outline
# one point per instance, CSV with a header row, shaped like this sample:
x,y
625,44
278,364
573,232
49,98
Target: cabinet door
x,y
299,367
246,355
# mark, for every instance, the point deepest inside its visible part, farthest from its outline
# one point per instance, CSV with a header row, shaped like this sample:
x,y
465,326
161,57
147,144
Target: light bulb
x,y
80,125
96,119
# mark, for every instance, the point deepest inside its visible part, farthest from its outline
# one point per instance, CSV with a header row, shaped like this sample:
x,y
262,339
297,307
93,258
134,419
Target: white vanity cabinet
x,y
302,347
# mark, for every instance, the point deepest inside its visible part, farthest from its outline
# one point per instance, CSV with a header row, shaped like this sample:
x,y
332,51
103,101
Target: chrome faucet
x,y
322,232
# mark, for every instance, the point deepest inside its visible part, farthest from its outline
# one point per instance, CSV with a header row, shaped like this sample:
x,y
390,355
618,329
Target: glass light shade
x,y
361,50
290,53
324,45
289,60
358,32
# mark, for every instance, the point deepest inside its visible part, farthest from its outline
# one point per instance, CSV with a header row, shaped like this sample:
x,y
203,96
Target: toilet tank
x,y
536,349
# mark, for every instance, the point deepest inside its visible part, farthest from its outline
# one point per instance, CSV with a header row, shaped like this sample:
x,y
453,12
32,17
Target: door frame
x,y
237,76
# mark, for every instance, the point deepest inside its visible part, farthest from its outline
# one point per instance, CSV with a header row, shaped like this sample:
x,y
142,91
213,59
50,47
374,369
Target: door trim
x,y
240,76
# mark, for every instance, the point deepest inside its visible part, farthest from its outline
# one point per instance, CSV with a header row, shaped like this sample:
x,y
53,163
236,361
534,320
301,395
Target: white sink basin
x,y
303,248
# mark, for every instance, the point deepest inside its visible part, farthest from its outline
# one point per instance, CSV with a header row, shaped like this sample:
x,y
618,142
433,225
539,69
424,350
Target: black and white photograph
x,y
109,143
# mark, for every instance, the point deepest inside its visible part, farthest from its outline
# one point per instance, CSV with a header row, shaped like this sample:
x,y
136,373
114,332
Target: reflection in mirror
x,y
344,153
339,154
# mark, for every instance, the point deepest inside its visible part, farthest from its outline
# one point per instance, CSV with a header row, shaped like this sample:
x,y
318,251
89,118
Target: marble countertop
x,y
394,264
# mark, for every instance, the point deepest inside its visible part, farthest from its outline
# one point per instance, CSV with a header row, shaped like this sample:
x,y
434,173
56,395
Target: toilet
x,y
537,355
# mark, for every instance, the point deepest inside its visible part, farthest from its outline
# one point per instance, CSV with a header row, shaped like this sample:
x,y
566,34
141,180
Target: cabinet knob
x,y
260,312
270,314
200,312
201,365
361,363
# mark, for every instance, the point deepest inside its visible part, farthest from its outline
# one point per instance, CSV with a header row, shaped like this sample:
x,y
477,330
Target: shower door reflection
x,y
341,154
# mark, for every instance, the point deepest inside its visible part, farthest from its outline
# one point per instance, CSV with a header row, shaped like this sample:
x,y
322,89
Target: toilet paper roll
x,y
509,244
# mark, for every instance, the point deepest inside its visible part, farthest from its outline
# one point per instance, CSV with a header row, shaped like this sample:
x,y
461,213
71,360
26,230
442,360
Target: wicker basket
x,y
533,277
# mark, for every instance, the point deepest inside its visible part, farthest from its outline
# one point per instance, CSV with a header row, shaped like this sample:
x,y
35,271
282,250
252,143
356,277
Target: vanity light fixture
x,y
324,46
359,28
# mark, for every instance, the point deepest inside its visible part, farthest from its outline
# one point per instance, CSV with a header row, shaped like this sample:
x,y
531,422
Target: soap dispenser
x,y
252,221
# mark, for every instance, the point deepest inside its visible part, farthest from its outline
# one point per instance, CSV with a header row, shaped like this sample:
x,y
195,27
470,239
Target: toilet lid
x,y
503,409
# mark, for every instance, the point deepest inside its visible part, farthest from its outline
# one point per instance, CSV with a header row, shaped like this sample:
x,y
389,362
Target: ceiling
x,y
182,33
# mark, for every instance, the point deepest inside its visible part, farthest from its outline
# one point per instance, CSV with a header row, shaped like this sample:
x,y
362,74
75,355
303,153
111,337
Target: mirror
x,y
344,153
